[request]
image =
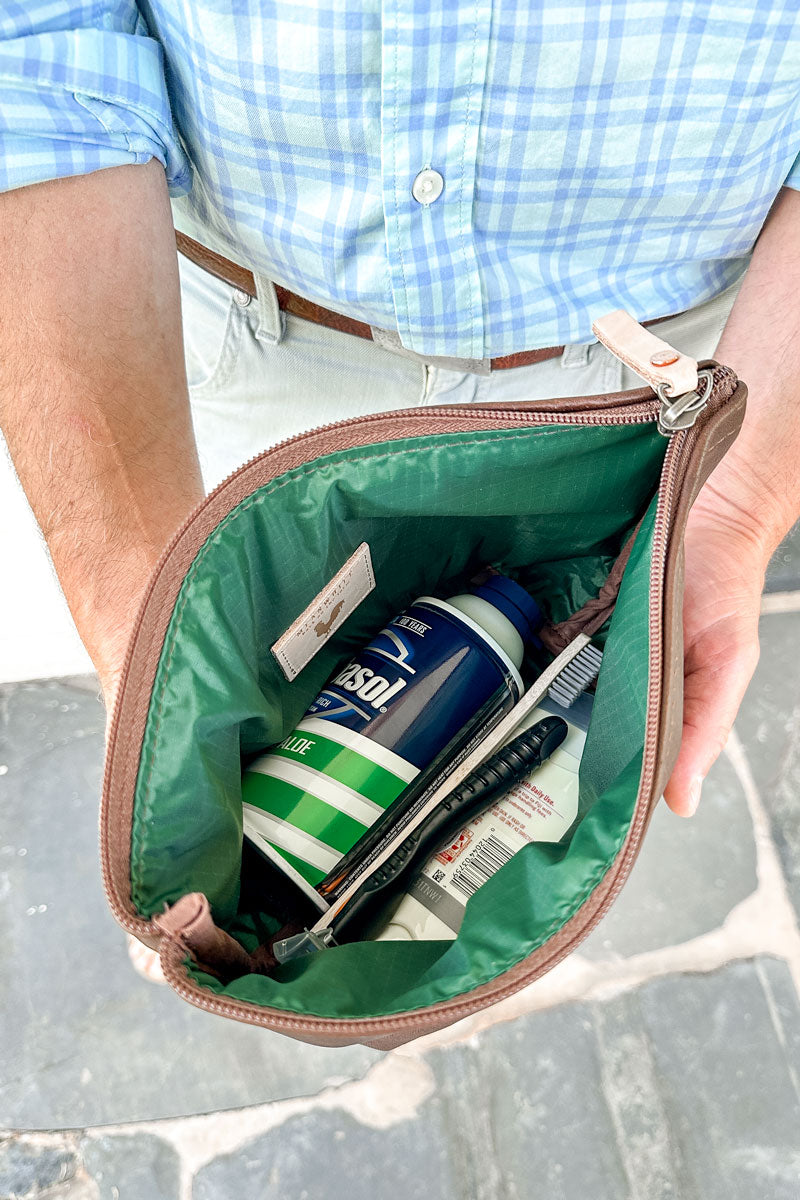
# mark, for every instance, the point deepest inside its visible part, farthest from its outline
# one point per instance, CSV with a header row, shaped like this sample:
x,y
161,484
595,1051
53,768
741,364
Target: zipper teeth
x,y
631,414
276,1019
675,451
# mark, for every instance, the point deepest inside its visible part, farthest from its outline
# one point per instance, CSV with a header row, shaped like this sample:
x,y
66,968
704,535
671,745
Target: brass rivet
x,y
664,358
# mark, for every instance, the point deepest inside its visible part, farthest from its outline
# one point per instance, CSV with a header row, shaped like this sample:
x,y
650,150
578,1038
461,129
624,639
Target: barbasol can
x,y
387,714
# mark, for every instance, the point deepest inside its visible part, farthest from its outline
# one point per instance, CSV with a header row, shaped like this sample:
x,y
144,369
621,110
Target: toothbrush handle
x,y
493,778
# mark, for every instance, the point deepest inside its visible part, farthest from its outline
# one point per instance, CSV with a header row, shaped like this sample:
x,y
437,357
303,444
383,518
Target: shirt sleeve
x,y
82,87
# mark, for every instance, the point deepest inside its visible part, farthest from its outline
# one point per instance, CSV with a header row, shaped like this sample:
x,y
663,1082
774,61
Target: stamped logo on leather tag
x,y
326,612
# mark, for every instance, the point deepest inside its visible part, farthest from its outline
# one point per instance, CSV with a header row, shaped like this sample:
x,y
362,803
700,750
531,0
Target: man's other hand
x,y
747,506
725,565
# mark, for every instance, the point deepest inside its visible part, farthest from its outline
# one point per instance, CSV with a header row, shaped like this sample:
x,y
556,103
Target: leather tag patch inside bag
x,y
328,610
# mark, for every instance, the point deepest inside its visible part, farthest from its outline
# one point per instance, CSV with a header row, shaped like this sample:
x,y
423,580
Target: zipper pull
x,y
682,389
681,412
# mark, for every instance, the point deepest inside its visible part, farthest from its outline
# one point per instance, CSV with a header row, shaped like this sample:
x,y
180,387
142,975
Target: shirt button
x,y
427,187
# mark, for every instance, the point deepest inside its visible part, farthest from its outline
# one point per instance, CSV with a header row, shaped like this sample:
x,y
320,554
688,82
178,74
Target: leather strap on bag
x,y
655,361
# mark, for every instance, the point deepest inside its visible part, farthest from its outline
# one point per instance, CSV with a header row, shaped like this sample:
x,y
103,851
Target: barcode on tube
x,y
487,857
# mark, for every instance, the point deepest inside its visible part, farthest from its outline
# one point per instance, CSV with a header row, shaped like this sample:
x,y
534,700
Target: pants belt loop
x,y
575,356
271,319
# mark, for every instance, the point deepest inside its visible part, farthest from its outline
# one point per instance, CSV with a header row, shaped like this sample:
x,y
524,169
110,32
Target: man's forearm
x,y
758,481
93,397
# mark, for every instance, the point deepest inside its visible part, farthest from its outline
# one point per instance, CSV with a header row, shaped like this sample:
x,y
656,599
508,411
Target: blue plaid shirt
x,y
588,154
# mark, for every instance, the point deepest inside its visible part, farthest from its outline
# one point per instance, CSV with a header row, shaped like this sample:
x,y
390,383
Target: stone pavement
x,y
661,1061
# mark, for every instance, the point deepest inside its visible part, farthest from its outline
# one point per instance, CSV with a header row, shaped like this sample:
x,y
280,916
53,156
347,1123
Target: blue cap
x,y
513,602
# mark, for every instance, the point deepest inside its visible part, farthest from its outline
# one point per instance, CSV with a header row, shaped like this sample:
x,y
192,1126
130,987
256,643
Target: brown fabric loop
x,y
596,611
189,921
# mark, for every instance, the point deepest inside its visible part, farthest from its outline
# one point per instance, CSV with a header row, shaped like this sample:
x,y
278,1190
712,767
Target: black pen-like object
x,y
479,790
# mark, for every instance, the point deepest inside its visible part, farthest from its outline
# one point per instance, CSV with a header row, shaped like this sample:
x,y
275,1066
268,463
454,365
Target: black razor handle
x,y
492,779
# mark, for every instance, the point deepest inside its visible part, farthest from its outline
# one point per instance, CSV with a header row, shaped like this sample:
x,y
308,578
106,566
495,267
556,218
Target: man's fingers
x,y
725,567
713,691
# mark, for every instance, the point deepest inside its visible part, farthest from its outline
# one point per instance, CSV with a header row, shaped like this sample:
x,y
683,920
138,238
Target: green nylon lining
x,y
551,506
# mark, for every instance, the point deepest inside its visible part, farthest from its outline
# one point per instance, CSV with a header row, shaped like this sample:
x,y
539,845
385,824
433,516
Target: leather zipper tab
x,y
658,363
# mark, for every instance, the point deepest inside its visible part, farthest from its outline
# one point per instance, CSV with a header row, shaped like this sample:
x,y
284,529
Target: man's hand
x,y
724,576
93,397
747,506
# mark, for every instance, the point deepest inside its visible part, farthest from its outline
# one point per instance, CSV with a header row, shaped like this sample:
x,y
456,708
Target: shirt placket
x,y
433,70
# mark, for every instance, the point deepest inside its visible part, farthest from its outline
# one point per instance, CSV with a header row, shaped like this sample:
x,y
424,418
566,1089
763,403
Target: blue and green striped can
x,y
309,801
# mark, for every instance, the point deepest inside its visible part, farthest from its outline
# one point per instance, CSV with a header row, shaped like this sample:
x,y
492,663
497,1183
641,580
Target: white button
x,y
427,187
242,298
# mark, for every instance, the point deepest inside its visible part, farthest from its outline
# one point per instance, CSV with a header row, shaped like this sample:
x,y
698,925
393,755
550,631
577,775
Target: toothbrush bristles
x,y
576,676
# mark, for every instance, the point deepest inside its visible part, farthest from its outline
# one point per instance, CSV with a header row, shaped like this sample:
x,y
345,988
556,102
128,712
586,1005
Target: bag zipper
x,y
641,408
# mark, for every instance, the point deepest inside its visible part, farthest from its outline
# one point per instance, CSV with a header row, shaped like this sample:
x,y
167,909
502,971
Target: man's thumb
x,y
712,695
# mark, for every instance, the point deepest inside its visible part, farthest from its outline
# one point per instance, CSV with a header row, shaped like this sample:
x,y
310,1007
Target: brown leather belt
x,y
239,277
